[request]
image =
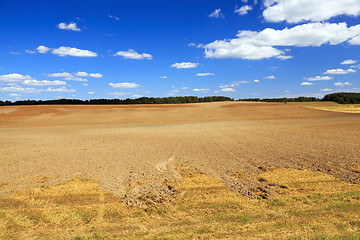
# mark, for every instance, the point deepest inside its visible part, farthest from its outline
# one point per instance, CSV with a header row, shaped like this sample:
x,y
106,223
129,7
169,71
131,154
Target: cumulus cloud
x,y
326,90
270,77
68,76
85,74
348,62
90,93
216,14
43,83
227,90
255,45
19,89
132,54
201,89
42,49
124,85
163,77
96,75
184,88
256,80
342,84
61,89
295,11
117,94
74,52
355,40
243,10
14,77
340,71
204,74
307,84
185,65
82,74
67,51
319,78
70,26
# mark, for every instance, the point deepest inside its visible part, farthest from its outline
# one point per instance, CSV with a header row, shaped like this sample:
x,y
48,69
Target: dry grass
x,y
309,205
330,106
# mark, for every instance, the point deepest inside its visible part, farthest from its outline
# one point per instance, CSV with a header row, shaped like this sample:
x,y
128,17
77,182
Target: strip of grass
x,y
309,205
330,106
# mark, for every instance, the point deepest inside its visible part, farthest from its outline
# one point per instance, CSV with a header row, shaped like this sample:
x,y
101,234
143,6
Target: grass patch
x,y
312,205
330,106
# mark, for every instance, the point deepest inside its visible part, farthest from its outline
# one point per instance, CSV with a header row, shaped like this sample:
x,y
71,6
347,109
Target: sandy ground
x,y
118,145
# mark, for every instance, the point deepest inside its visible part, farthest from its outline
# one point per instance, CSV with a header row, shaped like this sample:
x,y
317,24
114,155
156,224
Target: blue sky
x,y
131,48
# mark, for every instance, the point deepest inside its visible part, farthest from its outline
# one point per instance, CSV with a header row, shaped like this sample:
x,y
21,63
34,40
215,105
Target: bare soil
x,y
123,145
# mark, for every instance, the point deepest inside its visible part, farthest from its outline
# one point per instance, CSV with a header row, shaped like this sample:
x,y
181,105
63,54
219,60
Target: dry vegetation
x,y
198,171
331,106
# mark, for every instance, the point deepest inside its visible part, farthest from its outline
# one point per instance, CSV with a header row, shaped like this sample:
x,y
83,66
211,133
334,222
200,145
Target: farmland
x,y
207,170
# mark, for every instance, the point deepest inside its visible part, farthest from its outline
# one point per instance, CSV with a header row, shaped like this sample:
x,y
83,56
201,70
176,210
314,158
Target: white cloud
x,y
14,95
163,77
216,14
124,85
82,74
307,84
270,77
74,52
283,57
90,93
243,10
44,83
85,84
96,75
295,11
340,71
184,88
192,44
326,90
15,53
204,74
14,77
174,91
30,51
256,80
61,89
259,45
185,65
348,62
355,40
85,74
201,89
137,96
68,76
114,17
227,90
132,54
117,94
42,49
319,78
19,89
70,26
342,84
62,75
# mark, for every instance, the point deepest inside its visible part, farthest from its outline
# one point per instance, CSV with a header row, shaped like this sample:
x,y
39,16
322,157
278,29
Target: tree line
x,y
342,98
142,100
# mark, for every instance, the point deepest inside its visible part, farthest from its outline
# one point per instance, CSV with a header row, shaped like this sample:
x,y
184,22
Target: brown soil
x,y
145,144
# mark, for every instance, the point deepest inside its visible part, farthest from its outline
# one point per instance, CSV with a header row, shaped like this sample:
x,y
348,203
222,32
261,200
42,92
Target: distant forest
x,y
142,100
342,98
